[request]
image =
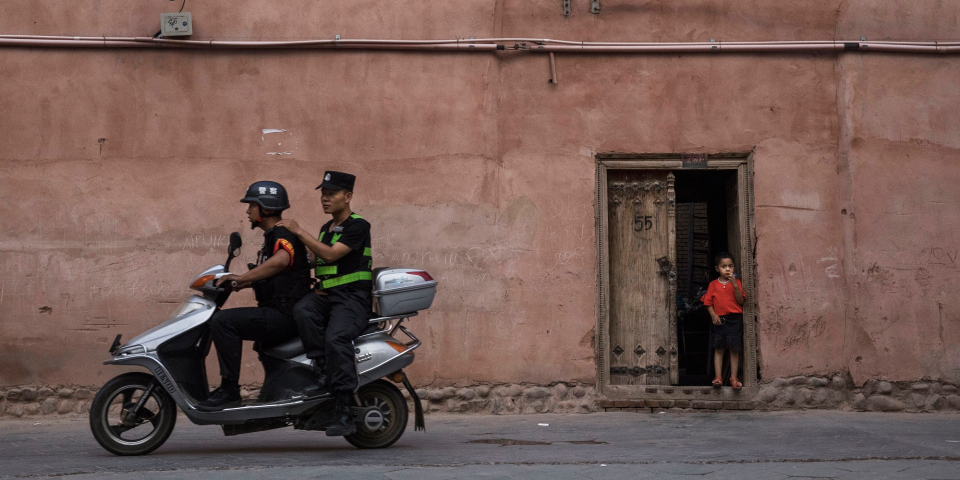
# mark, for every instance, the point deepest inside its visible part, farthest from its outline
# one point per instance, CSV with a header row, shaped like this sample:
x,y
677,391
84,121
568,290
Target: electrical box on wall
x,y
176,24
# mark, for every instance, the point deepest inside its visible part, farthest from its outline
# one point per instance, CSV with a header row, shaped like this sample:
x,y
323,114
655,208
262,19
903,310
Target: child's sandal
x,y
717,382
735,383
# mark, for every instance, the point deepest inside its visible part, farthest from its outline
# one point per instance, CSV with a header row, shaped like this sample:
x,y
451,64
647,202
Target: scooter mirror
x,y
235,243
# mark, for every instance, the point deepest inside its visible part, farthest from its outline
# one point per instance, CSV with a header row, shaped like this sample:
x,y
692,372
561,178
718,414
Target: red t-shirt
x,y
722,298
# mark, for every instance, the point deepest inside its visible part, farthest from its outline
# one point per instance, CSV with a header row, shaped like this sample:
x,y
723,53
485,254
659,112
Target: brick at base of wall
x,y
673,405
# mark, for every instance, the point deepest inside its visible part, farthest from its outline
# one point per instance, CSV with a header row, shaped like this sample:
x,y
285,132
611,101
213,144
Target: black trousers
x,y
328,326
232,326
729,334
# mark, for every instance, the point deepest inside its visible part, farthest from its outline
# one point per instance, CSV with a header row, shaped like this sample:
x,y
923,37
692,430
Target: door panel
x,y
747,249
642,235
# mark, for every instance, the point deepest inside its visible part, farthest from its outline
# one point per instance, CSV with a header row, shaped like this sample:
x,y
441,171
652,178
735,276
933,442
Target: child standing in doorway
x,y
724,300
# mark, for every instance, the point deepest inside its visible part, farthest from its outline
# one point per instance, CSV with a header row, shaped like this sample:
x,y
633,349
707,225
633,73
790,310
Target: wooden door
x,y
641,209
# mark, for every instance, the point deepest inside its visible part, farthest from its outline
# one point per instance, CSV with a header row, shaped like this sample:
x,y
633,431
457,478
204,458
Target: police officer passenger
x,y
332,317
280,278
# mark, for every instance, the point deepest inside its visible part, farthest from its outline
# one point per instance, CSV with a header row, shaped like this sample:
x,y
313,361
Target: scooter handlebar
x,y
221,286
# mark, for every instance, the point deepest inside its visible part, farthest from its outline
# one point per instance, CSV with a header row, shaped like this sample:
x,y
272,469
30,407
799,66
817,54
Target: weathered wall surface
x,y
121,171
902,151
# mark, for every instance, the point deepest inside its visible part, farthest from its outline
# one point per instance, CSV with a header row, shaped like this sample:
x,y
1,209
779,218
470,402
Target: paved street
x,y
605,445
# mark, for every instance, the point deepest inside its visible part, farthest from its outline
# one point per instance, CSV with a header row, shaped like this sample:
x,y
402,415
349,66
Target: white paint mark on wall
x,y
267,131
833,269
279,153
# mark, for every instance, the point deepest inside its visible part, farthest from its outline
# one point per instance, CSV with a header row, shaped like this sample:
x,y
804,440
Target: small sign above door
x,y
694,160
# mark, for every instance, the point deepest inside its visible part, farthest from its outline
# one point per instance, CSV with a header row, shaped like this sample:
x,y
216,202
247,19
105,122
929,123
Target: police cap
x,y
337,181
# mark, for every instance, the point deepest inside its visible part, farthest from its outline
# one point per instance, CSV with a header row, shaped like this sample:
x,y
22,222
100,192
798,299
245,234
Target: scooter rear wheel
x,y
388,400
122,431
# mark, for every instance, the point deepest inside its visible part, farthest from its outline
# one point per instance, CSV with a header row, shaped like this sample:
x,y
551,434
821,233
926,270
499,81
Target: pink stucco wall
x,y
473,167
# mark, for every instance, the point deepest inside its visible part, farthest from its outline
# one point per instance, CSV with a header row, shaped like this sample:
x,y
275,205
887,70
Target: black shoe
x,y
318,389
221,398
343,417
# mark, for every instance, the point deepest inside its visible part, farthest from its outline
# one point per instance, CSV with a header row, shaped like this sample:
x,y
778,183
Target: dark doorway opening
x,y
706,219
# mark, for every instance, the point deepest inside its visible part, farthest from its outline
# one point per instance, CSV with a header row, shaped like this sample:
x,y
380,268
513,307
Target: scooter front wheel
x,y
132,415
391,410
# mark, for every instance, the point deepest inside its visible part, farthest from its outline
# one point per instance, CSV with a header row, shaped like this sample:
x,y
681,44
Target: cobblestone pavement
x,y
821,444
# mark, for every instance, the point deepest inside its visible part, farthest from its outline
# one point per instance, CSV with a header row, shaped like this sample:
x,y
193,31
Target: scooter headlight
x,y
131,350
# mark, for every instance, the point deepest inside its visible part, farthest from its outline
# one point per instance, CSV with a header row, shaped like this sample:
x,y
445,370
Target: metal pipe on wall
x,y
148,42
486,44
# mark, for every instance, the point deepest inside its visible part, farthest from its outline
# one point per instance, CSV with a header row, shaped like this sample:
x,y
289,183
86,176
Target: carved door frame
x,y
742,163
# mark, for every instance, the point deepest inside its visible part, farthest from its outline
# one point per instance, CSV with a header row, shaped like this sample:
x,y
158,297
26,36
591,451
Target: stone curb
x,y
506,399
830,392
32,401
839,392
834,392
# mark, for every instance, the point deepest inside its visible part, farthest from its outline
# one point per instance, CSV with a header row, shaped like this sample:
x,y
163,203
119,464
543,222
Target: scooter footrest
x,y
320,420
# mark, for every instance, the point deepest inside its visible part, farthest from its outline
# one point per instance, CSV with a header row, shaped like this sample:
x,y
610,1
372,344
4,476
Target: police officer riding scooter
x,y
134,412
338,311
279,279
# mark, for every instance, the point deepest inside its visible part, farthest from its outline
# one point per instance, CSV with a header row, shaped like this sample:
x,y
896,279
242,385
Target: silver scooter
x,y
134,413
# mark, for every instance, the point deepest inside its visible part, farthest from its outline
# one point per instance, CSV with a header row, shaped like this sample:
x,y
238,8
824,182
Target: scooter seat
x,y
294,347
289,349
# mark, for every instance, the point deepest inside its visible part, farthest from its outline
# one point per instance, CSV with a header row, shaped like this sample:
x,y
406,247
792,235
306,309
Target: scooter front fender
x,y
156,368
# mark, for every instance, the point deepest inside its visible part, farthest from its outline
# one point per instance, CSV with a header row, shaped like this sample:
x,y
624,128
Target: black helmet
x,y
269,195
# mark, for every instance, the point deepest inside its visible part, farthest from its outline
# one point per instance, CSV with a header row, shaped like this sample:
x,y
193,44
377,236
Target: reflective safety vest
x,y
328,275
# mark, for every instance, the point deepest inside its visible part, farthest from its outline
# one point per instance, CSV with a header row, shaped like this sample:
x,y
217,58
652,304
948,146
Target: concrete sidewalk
x,y
825,444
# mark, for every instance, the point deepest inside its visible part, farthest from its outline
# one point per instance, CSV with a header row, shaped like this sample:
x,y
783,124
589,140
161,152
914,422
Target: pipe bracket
x,y
553,71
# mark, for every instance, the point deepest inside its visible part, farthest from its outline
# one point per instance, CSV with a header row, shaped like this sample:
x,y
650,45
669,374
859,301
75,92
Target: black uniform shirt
x,y
283,289
354,233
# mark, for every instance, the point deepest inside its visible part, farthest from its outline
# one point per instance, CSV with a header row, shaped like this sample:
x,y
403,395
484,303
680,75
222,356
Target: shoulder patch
x,y
286,246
